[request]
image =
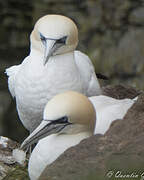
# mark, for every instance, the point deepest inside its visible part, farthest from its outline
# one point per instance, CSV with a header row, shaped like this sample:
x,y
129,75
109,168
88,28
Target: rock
x,y
121,91
123,62
12,126
18,173
16,24
4,105
137,16
120,149
9,170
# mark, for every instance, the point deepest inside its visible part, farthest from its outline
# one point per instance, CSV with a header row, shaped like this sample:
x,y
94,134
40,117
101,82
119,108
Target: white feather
x,y
19,156
108,110
11,73
49,149
87,72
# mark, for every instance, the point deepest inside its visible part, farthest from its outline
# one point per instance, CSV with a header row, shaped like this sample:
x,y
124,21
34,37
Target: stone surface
x,y
4,105
101,157
7,163
121,91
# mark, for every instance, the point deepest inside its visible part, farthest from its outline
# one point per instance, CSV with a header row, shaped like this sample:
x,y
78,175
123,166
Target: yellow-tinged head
x,y
66,113
73,105
53,35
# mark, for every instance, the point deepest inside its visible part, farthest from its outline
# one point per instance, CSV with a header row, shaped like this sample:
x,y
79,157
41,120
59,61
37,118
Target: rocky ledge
x,y
120,152
8,168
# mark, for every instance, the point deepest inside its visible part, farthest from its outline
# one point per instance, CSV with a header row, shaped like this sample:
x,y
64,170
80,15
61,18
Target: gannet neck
x,y
34,52
67,58
63,60
49,149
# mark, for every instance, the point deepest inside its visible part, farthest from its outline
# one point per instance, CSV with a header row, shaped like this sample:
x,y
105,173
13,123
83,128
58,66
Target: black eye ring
x,y
61,40
62,120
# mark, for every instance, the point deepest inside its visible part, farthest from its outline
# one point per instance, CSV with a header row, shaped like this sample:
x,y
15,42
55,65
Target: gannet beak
x,y
46,128
49,49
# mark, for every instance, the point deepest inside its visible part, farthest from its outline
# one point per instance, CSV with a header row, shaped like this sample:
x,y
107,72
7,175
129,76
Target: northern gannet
x,y
68,118
53,66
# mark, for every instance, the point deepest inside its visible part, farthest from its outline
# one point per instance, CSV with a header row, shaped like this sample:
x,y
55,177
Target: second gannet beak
x,y
46,128
49,49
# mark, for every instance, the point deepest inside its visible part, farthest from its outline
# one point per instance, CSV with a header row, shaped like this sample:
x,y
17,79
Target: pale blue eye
x,y
42,37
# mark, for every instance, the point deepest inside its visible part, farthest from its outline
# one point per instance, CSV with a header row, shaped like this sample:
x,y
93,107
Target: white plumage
x,y
52,67
87,117
49,149
19,156
68,118
109,109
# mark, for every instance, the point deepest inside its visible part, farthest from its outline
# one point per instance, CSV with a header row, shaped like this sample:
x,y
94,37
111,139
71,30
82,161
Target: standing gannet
x,y
68,118
52,67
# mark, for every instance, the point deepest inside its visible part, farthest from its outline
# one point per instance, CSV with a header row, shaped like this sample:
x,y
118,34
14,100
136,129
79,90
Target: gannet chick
x,y
68,118
52,67
108,110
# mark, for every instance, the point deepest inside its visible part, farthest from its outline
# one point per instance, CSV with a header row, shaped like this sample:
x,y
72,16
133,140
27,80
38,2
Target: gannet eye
x,y
42,37
62,120
61,40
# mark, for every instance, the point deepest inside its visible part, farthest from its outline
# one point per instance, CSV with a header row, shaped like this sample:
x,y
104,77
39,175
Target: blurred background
x,y
111,33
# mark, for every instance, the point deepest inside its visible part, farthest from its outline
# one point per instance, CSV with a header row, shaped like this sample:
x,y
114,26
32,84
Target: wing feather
x,y
88,75
11,73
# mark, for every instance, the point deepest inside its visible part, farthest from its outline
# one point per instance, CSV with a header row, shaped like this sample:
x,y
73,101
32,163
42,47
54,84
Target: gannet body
x,y
81,115
68,118
108,110
52,67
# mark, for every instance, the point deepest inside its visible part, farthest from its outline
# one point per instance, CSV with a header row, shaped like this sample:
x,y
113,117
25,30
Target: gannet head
x,y
54,35
66,113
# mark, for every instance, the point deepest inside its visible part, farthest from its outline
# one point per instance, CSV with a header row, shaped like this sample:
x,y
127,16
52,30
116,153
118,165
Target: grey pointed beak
x,y
49,49
46,128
